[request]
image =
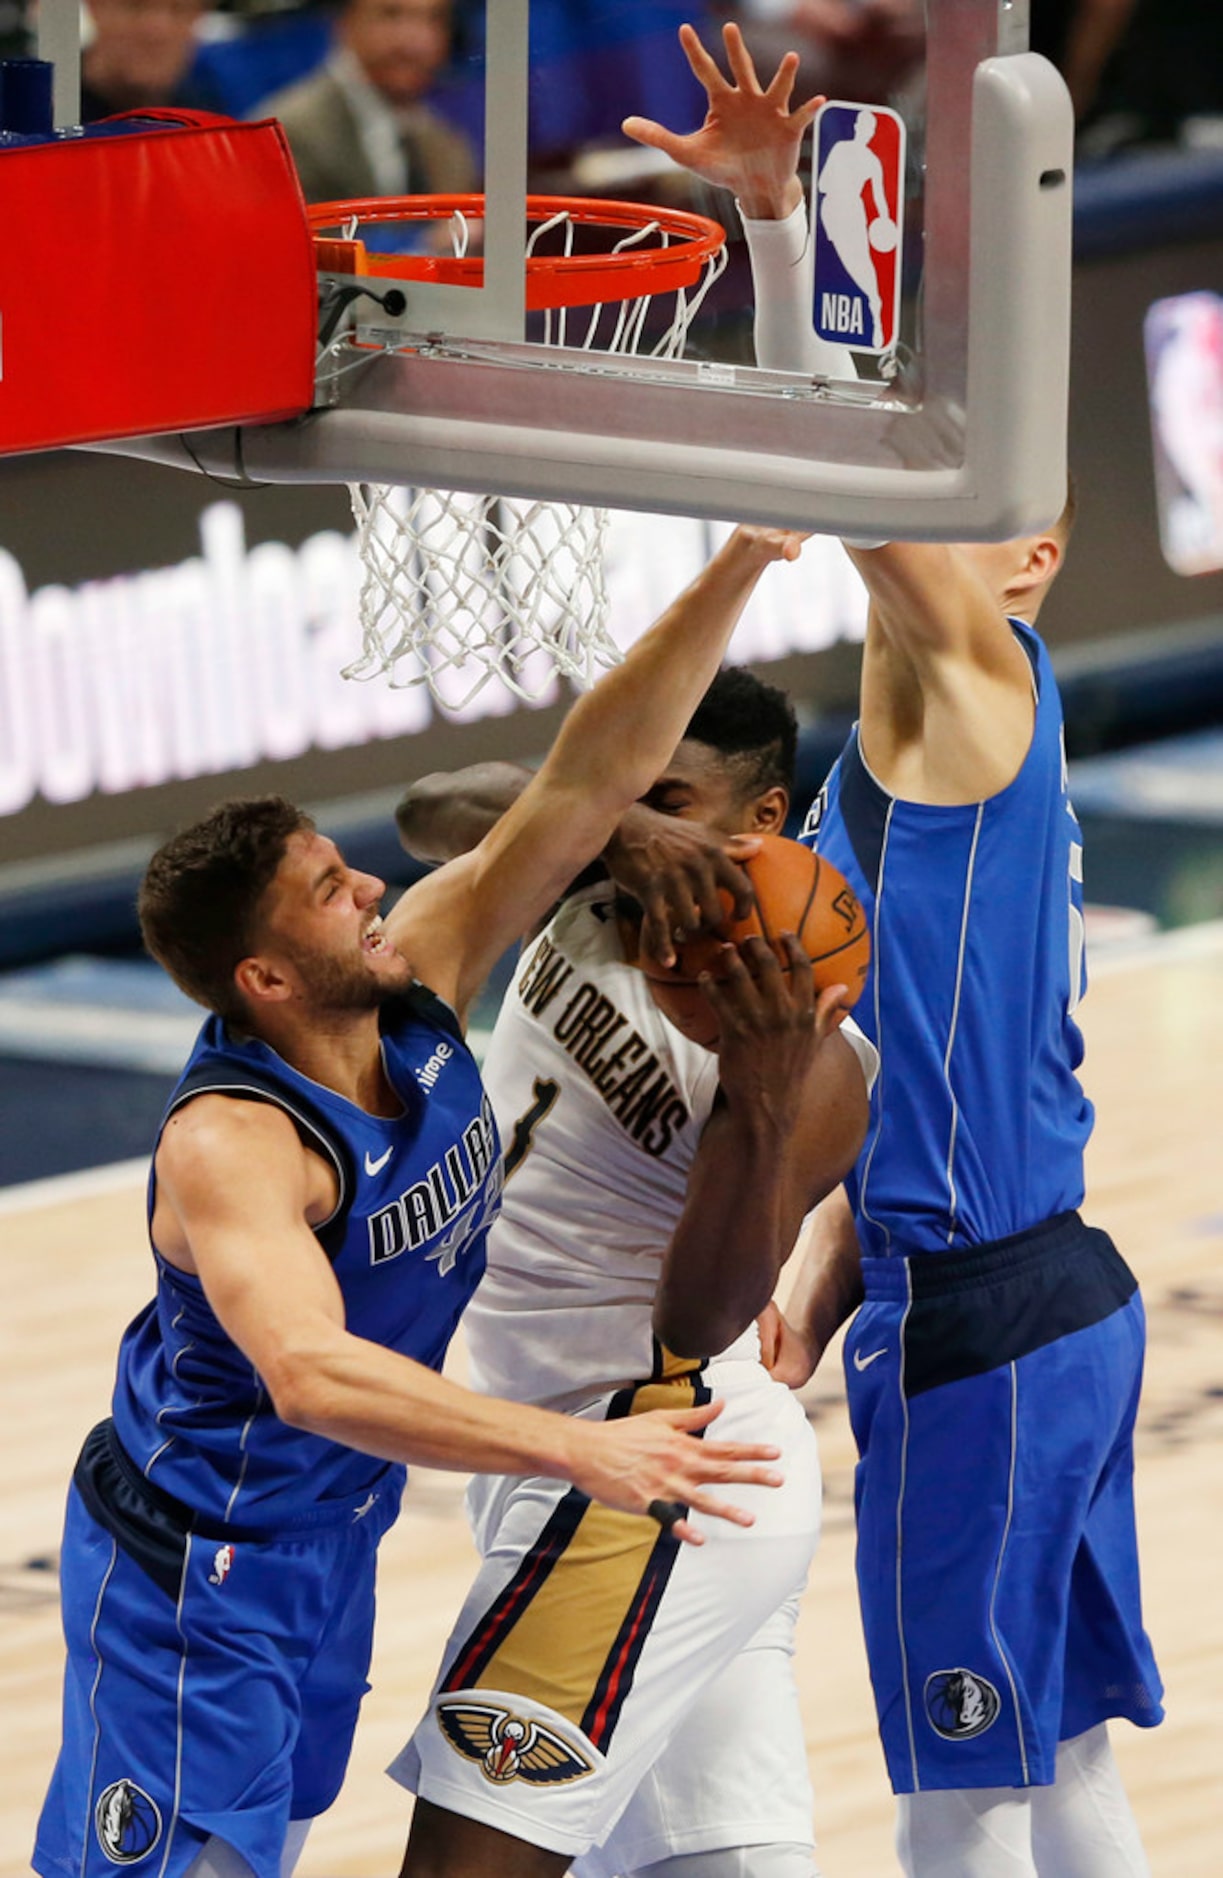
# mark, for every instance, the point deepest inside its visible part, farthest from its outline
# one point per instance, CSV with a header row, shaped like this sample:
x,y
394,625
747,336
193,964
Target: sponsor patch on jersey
x,y
127,1822
859,225
429,1072
509,1747
960,1704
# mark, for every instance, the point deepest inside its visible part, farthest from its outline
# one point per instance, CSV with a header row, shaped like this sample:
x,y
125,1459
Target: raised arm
x,y
673,868
947,696
946,692
790,1117
615,741
749,143
236,1191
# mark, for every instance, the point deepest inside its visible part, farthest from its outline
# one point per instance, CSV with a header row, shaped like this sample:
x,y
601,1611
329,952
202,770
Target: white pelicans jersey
x,y
661,1674
600,1103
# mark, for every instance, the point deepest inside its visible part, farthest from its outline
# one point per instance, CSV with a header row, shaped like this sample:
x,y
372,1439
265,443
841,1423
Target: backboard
x,y
951,424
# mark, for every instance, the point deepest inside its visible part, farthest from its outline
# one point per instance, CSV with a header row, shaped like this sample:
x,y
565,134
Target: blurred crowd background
x,y
385,97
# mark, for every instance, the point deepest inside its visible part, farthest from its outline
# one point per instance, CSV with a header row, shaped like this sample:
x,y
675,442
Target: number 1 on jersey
x,y
545,1092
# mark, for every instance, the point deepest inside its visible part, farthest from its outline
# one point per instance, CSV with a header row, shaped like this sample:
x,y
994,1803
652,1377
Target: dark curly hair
x,y
752,725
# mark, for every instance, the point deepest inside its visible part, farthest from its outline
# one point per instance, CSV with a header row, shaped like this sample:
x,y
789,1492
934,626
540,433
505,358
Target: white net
x,y
461,590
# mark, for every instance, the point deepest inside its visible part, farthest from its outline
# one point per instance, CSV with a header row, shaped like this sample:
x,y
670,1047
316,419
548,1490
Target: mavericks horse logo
x,y
128,1822
960,1704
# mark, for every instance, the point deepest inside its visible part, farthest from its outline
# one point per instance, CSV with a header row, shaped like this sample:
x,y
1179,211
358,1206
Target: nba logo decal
x,y
859,208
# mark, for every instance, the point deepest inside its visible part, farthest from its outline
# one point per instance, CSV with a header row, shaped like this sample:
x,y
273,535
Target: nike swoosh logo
x,y
864,1362
376,1167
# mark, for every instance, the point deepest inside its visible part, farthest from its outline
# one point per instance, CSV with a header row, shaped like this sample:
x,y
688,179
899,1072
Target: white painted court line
x,y
85,1184
1183,943
102,1035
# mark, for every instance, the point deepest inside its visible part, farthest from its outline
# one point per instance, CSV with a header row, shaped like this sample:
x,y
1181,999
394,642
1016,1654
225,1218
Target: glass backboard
x,y
937,273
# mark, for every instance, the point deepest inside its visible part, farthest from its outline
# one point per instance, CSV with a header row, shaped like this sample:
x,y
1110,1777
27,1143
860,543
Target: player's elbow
x,y
295,1377
419,816
695,1328
836,1156
292,1395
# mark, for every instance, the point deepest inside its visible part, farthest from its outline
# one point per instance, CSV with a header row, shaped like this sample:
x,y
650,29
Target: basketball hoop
x,y
460,588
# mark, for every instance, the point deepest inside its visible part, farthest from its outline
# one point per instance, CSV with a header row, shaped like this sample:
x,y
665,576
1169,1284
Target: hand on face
x,y
683,874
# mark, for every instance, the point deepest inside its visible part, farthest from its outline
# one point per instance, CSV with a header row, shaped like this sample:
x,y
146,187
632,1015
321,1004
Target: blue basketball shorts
x,y
212,1685
993,1394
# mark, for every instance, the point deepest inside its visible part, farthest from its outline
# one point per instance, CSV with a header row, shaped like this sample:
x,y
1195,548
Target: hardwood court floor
x,y
75,1271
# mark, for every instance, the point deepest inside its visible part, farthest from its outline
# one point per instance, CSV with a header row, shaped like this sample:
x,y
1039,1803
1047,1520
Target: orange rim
x,y
553,281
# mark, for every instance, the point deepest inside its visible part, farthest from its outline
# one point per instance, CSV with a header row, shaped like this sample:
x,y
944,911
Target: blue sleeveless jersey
x,y
978,1121
406,1243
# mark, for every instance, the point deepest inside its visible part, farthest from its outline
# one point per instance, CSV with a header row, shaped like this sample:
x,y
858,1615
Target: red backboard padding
x,y
153,279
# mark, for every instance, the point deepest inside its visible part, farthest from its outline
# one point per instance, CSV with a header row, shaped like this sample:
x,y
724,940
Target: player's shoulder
x,y
216,1146
216,1124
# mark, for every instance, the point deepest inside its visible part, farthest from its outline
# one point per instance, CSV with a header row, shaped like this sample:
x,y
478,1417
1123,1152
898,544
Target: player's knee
x,y
218,1859
981,1832
1084,1821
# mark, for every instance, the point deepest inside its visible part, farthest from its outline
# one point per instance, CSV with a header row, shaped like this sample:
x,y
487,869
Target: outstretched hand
x,y
750,139
651,1458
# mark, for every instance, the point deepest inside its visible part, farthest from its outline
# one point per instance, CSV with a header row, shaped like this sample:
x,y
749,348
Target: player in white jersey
x,y
604,1699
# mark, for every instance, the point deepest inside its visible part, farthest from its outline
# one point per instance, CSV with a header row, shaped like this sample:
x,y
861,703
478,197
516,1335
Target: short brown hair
x,y
199,899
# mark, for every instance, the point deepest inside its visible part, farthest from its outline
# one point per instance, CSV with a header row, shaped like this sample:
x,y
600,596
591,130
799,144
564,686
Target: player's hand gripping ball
x,y
793,890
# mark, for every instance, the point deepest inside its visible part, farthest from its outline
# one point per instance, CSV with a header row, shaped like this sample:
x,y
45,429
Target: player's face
x,y
698,785
321,918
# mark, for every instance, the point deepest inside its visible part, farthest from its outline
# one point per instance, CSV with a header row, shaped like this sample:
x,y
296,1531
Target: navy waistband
x,y
966,1312
937,1274
103,1450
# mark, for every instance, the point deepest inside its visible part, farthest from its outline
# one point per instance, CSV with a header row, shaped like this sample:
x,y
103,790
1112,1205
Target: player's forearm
x,y
733,1237
780,251
828,1285
351,1391
446,814
619,737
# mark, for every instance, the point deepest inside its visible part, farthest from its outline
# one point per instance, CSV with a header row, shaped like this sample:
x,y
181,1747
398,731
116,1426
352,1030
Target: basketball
x,y
883,234
794,890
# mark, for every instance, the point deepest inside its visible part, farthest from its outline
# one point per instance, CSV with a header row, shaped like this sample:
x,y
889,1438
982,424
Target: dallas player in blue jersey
x,y
994,1368
318,1202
